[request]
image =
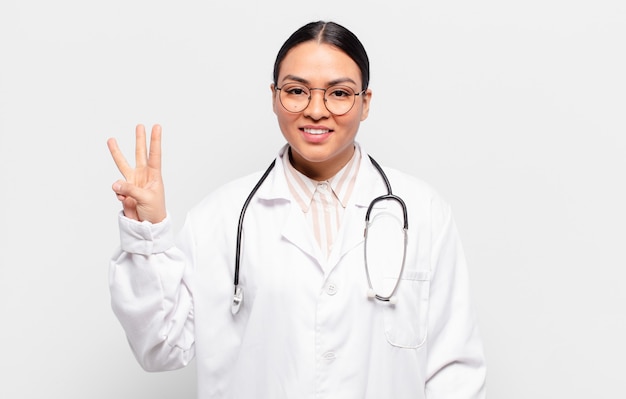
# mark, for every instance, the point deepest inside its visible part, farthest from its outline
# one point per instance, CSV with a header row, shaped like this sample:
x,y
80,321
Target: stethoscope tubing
x,y
241,217
405,228
238,293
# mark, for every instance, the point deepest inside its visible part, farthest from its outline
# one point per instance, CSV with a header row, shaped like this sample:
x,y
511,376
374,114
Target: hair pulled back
x,y
330,33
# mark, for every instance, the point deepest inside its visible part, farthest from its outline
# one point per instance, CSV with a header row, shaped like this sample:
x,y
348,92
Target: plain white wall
x,y
515,111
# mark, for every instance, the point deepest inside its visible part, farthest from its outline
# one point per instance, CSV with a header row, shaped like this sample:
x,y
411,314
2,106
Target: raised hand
x,y
141,193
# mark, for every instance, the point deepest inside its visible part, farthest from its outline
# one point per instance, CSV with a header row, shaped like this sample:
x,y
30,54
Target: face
x,y
321,143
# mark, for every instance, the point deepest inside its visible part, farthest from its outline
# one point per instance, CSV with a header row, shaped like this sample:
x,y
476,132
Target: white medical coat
x,y
306,328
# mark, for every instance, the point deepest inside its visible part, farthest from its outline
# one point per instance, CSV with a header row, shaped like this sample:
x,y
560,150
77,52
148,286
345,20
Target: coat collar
x,y
369,185
275,187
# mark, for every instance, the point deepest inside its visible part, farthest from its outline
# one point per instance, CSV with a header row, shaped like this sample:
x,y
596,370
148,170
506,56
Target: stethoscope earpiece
x,y
371,294
237,300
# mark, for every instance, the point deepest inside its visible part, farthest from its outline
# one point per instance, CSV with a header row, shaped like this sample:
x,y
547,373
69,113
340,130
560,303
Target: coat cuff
x,y
145,238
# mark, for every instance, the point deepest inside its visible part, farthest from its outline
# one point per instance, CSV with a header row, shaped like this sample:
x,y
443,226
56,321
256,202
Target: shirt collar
x,y
303,188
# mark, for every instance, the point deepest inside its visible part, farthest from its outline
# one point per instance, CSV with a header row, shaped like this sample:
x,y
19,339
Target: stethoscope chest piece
x,y
237,300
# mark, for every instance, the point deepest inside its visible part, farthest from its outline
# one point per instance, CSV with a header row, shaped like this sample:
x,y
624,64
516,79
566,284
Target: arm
x,y
456,364
149,277
151,295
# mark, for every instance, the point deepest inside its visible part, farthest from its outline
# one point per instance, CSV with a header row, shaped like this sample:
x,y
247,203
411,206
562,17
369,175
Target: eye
x,y
340,92
296,91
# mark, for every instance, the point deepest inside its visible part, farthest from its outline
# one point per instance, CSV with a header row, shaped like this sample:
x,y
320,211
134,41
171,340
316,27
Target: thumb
x,y
124,189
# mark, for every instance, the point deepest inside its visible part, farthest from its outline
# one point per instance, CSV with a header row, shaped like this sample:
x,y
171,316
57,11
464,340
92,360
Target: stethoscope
x,y
371,293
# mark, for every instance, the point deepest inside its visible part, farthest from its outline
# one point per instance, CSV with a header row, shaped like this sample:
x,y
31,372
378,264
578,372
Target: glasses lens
x,y
339,99
294,97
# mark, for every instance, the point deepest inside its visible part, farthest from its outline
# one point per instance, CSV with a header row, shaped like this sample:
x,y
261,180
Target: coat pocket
x,y
406,322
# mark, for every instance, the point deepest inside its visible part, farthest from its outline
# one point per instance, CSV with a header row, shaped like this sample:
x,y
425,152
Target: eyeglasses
x,y
338,100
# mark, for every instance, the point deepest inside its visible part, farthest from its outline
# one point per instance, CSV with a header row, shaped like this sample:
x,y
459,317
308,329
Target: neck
x,y
320,171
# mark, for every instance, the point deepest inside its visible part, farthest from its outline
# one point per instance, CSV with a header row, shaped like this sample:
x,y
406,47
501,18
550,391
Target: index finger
x,y
154,158
118,158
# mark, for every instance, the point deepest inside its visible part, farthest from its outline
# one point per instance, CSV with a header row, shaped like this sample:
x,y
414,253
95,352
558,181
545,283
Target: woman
x,y
306,314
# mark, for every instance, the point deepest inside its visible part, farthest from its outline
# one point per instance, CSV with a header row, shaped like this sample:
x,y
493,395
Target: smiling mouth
x,y
316,131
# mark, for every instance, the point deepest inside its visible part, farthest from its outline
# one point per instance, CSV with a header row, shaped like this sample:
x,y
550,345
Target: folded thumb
x,y
121,187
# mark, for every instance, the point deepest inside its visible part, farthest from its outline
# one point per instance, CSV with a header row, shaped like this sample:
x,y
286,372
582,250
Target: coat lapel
x,y
295,228
368,186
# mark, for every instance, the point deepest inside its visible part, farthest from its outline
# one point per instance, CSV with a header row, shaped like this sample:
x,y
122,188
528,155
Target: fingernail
x,y
117,187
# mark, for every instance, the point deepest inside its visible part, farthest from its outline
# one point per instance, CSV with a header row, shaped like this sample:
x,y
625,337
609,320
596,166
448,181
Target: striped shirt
x,y
323,202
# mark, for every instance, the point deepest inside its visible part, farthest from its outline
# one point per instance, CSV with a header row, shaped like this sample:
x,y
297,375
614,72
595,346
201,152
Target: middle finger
x,y
141,156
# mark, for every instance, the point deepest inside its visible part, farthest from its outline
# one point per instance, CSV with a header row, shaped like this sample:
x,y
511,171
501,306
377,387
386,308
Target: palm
x,y
142,194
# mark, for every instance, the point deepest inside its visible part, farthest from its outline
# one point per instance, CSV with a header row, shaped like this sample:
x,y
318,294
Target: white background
x,y
514,111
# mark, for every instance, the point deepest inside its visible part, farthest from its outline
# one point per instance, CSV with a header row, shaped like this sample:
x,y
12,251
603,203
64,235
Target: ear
x,y
365,104
273,90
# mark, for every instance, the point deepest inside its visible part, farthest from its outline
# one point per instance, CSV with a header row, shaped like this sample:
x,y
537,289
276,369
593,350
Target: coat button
x,y
331,289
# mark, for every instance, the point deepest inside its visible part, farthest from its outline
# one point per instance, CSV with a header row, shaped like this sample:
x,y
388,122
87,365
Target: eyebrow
x,y
331,83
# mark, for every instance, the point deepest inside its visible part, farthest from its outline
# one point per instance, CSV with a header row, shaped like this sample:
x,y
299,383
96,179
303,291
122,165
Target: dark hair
x,y
329,33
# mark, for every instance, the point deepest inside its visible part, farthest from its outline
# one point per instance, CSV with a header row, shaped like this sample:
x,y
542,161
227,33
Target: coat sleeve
x,y
151,295
456,365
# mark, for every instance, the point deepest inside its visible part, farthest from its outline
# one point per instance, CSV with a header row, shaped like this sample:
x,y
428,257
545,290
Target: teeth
x,y
316,131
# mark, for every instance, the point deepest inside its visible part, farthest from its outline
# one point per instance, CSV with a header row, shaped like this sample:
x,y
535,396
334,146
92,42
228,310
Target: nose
x,y
316,109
